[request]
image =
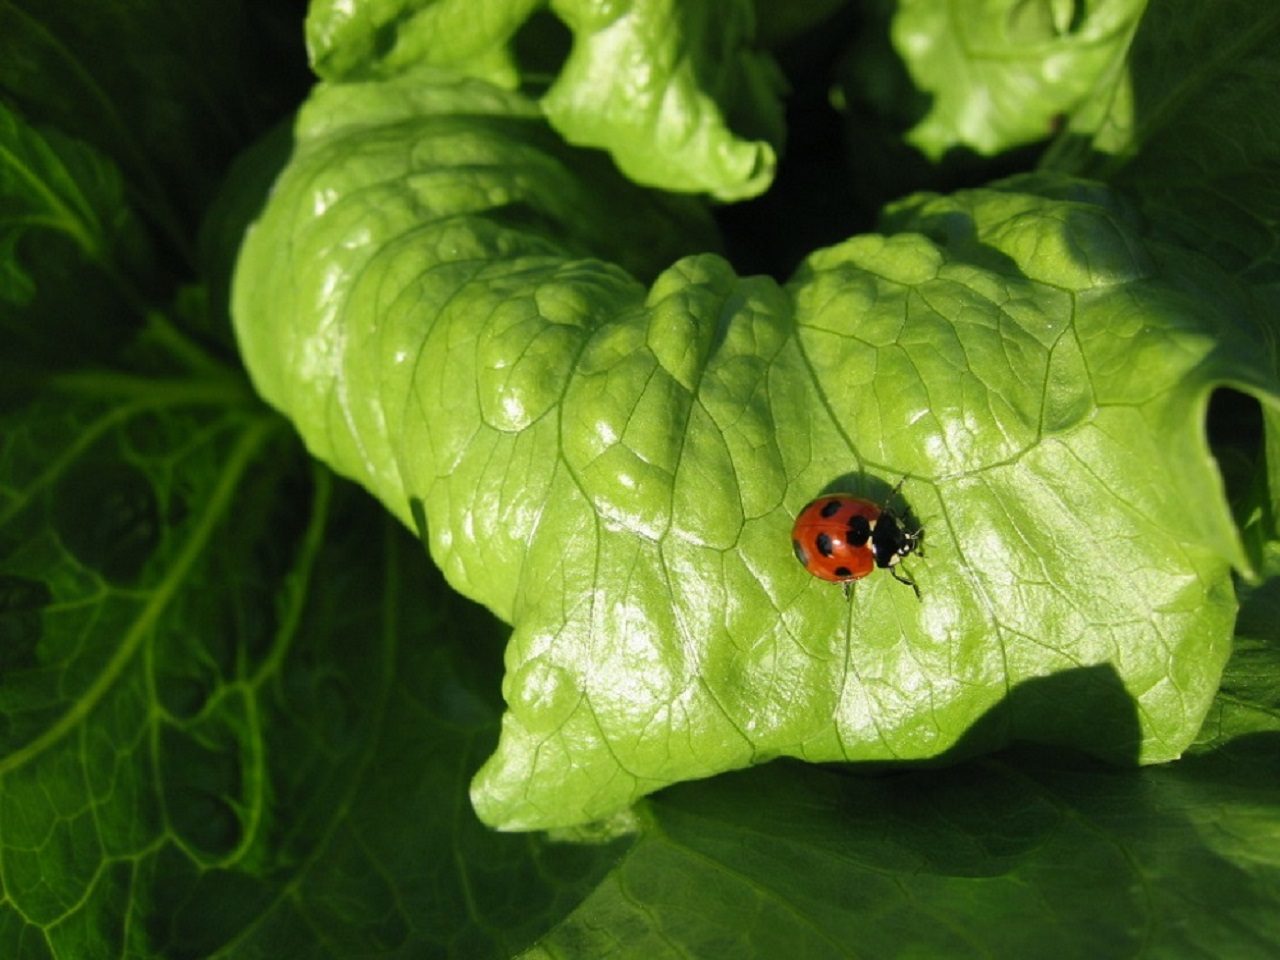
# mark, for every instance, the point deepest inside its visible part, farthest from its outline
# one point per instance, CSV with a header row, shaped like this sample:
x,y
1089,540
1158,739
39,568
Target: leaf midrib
x,y
216,507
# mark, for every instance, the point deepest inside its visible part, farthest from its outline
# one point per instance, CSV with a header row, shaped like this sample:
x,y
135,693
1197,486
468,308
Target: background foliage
x,y
239,709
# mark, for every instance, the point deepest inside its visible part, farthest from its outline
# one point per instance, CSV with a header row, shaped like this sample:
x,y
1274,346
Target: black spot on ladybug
x,y
801,554
843,572
859,531
830,509
823,542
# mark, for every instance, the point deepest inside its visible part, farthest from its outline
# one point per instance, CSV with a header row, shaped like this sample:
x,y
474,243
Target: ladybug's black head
x,y
891,541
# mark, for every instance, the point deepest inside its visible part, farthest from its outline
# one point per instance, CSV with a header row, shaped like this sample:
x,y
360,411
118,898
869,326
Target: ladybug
x,y
842,538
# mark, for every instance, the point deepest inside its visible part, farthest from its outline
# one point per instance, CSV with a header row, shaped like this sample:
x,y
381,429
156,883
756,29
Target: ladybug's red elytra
x,y
842,538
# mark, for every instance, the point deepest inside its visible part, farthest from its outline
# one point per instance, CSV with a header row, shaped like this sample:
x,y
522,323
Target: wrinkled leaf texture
x,y
1001,75
195,677
613,468
679,94
238,712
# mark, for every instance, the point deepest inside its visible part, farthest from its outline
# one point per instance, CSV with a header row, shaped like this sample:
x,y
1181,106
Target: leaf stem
x,y
182,347
220,388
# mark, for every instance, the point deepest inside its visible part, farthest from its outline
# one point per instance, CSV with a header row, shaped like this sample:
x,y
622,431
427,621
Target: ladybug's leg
x,y
907,580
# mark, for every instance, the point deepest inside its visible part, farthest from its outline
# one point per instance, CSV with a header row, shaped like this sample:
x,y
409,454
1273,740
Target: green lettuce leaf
x,y
979,860
1189,142
666,88
1195,146
195,678
224,678
214,721
614,469
240,709
1003,73
677,93
381,38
